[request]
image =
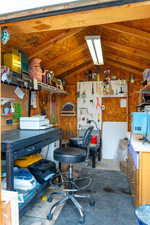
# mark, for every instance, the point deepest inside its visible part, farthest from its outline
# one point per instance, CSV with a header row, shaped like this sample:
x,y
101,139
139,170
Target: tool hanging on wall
x,y
92,89
98,104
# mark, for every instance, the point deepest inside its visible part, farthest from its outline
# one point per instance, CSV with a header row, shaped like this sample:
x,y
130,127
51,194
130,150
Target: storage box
x,y
24,62
13,60
34,123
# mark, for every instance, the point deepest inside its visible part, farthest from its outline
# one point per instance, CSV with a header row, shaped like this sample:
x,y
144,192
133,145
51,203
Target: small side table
x,y
95,151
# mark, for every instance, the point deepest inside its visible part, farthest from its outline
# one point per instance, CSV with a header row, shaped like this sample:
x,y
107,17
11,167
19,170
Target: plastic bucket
x,y
143,214
94,140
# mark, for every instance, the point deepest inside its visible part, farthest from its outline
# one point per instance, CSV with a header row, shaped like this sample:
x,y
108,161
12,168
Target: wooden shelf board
x,y
146,89
49,88
113,96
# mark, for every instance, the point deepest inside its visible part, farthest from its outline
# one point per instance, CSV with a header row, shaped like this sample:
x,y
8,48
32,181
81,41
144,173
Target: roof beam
x,y
123,67
128,31
67,55
129,62
125,49
61,37
126,12
78,69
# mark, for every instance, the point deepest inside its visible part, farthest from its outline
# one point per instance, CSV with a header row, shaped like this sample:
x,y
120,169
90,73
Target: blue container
x,y
143,214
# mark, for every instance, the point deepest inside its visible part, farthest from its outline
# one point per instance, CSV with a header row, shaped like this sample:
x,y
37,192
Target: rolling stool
x,y
72,156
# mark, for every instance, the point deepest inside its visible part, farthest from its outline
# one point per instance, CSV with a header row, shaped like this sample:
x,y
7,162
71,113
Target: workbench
x,y
18,143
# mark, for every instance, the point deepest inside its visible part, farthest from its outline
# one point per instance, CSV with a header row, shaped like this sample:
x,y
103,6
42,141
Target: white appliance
x,y
52,147
112,133
47,152
34,123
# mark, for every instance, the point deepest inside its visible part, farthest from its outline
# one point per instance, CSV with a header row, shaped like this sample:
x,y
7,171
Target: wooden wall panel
x,y
43,104
8,91
113,112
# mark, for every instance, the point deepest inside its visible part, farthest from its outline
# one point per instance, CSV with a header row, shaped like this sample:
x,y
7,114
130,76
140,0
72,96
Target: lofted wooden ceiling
x,y
126,46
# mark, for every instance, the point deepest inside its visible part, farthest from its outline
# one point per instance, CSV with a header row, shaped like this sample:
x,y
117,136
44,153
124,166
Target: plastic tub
x,y
143,214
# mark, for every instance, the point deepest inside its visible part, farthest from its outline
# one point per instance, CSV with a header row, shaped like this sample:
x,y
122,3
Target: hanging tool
x,y
98,104
92,89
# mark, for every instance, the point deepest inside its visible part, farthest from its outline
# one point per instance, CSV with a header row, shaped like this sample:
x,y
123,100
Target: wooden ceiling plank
x,y
80,68
123,67
72,64
126,12
61,37
71,53
120,59
128,31
126,49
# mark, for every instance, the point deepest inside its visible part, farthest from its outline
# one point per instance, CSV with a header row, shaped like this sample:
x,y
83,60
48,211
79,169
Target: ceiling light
x,y
95,48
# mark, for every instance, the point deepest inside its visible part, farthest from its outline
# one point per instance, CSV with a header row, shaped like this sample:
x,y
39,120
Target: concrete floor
x,y
38,214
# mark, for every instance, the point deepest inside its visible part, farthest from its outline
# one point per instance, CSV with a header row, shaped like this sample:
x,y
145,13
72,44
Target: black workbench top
x,y
26,137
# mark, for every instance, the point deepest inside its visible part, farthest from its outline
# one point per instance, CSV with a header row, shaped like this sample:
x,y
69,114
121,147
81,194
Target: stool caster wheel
x,y
92,203
82,220
50,199
49,216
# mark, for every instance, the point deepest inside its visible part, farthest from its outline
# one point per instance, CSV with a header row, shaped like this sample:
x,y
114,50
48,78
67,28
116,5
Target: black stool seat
x,y
70,155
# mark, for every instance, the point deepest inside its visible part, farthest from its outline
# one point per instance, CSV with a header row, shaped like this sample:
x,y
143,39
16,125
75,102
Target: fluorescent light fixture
x,y
95,48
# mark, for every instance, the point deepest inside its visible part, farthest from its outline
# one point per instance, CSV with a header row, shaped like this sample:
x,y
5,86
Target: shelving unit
x,y
144,91
28,84
19,143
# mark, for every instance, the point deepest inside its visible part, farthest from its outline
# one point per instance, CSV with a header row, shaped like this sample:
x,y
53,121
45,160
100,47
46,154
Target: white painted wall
x,y
111,134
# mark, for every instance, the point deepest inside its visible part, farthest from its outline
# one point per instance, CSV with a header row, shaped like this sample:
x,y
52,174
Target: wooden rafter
x,y
78,69
125,49
126,61
73,64
59,38
73,52
128,31
126,12
123,67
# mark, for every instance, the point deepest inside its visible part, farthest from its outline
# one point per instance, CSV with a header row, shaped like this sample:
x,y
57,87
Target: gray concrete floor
x,y
38,214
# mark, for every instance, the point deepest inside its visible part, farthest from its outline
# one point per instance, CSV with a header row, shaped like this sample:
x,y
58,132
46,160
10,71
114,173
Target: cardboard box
x,y
6,213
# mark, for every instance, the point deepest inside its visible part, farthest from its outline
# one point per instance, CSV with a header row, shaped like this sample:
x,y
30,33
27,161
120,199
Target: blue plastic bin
x,y
143,214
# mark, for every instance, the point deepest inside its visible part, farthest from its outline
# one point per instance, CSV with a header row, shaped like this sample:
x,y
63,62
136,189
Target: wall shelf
x,y
113,96
29,85
146,89
43,86
63,114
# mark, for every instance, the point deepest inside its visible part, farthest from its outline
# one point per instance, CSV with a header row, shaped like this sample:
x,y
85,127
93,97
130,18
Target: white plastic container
x,y
34,123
